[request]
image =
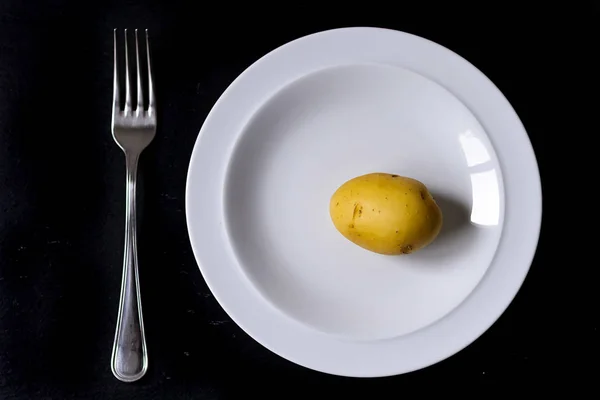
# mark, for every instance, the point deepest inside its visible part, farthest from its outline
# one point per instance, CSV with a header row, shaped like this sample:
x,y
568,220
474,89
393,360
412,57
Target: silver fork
x,y
133,130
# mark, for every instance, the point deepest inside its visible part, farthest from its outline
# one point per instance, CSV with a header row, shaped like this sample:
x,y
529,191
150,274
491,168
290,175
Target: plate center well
x,y
330,126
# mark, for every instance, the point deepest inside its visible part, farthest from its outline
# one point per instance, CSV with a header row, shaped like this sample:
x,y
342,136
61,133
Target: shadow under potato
x,y
454,235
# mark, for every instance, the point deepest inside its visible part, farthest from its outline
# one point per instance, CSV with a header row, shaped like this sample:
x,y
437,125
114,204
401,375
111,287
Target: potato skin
x,y
385,213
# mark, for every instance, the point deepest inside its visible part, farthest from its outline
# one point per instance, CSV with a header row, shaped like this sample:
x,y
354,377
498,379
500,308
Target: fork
x,y
133,130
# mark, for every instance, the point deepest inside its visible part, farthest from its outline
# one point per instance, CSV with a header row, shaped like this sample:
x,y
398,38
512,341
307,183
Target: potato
x,y
385,213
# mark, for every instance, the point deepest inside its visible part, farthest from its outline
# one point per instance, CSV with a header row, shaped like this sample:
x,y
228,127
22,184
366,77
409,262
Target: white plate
x,y
316,112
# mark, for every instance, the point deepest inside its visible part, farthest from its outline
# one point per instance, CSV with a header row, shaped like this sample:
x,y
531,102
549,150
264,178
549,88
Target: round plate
x,y
323,109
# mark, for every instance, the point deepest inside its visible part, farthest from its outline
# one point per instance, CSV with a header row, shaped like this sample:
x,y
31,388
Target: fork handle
x,y
129,357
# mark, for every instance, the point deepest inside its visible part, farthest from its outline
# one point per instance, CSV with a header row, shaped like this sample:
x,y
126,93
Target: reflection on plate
x,y
313,114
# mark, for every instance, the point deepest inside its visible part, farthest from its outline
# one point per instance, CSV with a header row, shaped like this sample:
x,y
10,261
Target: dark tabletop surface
x,y
62,198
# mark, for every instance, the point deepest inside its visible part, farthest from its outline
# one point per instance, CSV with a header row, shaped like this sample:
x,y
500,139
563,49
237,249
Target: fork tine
x,y
140,93
127,83
116,105
150,80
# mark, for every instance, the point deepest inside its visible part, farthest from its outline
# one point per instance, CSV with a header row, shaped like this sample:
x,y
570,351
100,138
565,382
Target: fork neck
x,y
131,162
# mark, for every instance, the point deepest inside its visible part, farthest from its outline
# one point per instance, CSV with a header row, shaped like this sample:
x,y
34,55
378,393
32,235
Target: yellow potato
x,y
385,213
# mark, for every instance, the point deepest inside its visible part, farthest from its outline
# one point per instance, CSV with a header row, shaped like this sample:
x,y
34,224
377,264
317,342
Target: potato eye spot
x,y
406,249
357,211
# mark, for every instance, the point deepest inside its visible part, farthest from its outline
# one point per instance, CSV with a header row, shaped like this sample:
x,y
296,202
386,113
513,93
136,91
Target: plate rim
x,y
526,150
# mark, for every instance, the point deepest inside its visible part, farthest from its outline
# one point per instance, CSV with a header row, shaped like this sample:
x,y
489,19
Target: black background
x,y
62,197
